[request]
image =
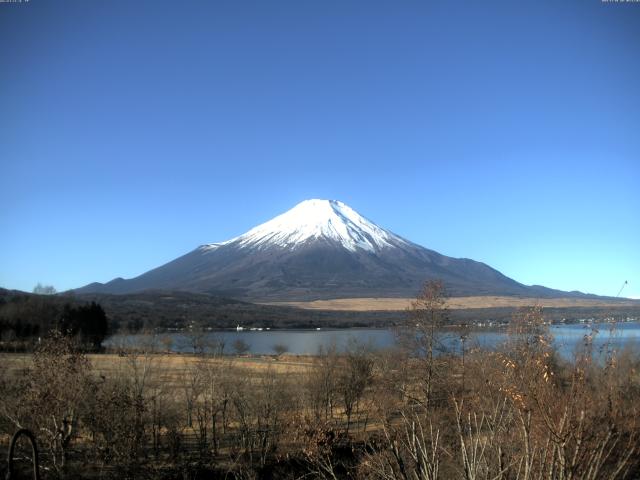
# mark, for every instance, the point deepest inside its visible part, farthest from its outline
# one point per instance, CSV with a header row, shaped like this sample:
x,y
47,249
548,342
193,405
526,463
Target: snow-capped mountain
x,y
315,219
319,249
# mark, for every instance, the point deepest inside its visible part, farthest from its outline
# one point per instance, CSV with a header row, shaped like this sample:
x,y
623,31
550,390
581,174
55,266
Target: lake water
x,y
303,342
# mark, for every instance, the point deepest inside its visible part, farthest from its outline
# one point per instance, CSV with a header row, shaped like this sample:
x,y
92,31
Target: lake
x,y
308,342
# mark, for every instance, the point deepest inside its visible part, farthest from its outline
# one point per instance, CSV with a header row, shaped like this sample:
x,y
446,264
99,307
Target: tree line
x,y
24,319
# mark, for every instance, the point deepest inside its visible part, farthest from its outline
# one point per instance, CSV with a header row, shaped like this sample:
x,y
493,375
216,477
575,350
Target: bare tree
x,y
191,387
279,349
213,398
44,289
321,383
167,342
422,338
55,397
240,346
354,377
197,338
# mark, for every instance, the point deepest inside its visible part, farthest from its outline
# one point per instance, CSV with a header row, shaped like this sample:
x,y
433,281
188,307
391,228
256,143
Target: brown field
x,y
172,364
455,303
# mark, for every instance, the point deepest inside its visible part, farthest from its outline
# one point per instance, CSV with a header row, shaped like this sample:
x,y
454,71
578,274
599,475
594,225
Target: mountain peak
x,y
317,219
320,249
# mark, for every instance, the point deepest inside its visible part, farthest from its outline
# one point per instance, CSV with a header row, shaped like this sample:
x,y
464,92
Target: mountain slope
x,y
317,250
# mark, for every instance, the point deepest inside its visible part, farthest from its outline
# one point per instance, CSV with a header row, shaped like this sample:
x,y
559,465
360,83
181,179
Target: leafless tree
x,y
44,289
354,376
279,349
241,347
321,383
422,338
55,396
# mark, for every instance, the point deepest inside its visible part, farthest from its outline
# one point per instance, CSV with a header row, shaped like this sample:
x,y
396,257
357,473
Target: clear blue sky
x,y
507,132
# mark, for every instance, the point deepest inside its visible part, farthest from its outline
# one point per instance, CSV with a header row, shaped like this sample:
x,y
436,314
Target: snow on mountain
x,y
317,219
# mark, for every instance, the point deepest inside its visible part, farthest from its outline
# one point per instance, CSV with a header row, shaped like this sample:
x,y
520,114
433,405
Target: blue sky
x,y
507,132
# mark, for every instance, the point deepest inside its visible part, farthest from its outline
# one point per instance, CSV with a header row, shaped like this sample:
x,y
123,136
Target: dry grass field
x,y
455,303
171,366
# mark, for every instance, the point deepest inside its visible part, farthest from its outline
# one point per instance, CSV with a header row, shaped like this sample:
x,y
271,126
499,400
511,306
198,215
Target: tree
x,y
167,342
240,346
89,322
212,399
44,289
422,335
55,396
354,377
197,338
321,383
30,315
279,349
